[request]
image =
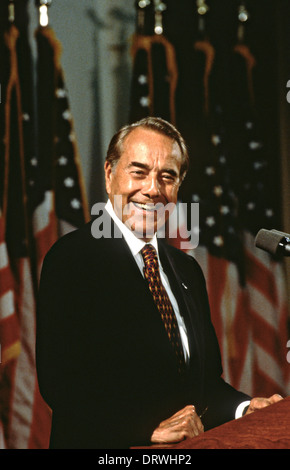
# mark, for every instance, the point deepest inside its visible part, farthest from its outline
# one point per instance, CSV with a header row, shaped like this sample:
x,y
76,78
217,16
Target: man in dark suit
x,y
114,370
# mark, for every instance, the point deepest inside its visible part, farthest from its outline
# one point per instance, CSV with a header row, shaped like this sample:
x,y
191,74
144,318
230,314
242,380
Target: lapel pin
x,y
183,285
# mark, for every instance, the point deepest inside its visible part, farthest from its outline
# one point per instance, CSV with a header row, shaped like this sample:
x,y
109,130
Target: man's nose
x,y
151,187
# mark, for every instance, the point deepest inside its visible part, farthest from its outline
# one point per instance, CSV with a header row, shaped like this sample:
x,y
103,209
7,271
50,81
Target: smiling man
x,y
126,351
143,177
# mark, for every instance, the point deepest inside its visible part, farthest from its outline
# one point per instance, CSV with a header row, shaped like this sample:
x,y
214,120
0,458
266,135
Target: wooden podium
x,y
268,428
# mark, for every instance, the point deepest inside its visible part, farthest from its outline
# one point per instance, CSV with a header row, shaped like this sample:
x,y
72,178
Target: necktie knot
x,y
149,254
151,268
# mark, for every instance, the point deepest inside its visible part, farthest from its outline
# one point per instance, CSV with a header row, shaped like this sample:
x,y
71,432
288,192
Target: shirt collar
x,y
135,244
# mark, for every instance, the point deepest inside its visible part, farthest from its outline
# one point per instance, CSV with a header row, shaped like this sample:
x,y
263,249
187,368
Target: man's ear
x,y
108,175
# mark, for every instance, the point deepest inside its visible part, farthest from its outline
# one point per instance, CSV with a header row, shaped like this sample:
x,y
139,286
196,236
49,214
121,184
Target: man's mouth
x,y
150,207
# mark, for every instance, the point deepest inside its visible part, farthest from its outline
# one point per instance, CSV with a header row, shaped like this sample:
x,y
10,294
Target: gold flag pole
x,y
43,6
11,11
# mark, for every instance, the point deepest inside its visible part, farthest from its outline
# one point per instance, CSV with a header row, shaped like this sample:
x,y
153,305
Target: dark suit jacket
x,y
104,362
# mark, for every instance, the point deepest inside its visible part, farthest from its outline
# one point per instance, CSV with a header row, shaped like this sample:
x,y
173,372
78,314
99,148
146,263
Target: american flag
x,y
42,197
229,178
59,185
246,286
9,333
20,387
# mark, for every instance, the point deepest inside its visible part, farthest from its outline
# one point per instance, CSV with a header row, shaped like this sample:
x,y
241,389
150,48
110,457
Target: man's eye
x,y
167,177
137,172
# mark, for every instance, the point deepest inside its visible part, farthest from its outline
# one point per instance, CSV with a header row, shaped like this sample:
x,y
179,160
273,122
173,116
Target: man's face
x,y
146,179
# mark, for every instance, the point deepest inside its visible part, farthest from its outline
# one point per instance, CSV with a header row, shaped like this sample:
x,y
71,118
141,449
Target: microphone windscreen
x,y
269,240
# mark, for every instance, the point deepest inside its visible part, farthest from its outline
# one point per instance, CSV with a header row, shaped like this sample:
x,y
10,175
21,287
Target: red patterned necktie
x,y
160,296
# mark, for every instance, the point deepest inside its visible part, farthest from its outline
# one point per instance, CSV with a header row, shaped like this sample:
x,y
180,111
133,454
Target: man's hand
x,y
183,424
259,403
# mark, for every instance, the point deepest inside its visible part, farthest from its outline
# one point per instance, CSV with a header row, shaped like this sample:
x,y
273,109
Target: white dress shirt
x,y
136,244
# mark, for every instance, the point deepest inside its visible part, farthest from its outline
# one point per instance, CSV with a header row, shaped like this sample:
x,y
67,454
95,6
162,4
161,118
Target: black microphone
x,y
273,241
